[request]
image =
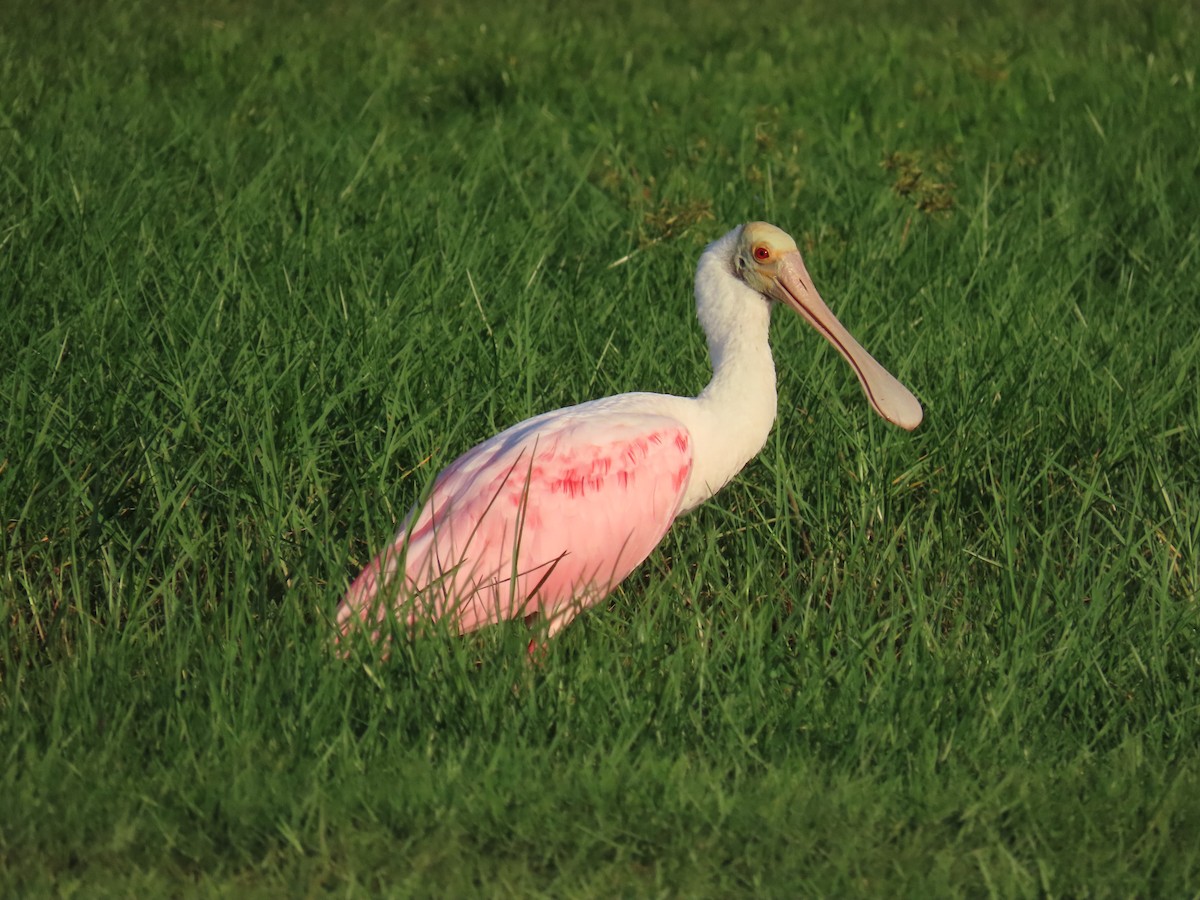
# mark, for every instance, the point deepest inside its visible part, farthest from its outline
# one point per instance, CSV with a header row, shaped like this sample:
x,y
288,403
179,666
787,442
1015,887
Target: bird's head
x,y
765,258
760,249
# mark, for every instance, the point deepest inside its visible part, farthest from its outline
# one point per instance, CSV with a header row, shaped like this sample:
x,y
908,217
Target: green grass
x,y
266,269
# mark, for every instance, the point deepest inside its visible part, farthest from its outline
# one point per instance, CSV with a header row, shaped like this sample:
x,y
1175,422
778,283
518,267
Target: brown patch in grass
x,y
931,194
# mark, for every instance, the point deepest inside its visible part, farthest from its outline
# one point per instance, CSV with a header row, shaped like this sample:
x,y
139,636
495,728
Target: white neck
x,y
732,417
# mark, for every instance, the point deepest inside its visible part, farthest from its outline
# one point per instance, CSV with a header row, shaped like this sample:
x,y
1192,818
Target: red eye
x,y
762,253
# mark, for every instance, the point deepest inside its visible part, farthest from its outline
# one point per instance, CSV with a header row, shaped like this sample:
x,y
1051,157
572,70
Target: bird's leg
x,y
553,622
536,650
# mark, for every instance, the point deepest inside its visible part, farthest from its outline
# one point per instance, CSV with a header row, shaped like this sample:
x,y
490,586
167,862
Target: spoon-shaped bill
x,y
892,400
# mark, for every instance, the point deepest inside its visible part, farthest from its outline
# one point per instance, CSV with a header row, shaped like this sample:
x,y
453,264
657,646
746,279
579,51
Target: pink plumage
x,y
569,503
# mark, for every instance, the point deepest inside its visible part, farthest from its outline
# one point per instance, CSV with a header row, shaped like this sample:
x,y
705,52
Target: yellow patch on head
x,y
763,242
753,232
760,247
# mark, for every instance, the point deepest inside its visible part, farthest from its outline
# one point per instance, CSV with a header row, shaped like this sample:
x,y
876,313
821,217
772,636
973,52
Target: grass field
x,y
266,267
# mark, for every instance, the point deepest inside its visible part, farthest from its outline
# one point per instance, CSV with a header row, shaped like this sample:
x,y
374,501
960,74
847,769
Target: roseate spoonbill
x,y
546,518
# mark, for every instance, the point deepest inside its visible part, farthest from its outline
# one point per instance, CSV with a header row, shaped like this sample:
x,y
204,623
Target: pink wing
x,y
546,517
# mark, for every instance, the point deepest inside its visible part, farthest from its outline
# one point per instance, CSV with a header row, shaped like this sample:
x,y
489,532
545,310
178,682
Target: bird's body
x,y
548,516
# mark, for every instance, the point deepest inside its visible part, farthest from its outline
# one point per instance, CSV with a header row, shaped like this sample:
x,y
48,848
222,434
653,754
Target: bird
x,y
546,518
